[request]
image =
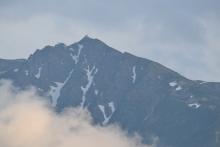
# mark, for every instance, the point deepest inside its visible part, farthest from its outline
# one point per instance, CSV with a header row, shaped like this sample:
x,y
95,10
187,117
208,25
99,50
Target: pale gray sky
x,y
182,35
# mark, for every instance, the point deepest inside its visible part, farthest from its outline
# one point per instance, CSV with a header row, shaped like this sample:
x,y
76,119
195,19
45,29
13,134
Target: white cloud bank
x,y
28,121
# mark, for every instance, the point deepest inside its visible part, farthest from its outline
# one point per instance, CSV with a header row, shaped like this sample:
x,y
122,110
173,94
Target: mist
x,y
28,120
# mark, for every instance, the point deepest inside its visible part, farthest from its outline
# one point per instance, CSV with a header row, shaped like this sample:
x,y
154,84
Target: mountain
x,y
140,95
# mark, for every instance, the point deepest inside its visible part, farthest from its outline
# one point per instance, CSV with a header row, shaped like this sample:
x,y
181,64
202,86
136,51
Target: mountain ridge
x,y
140,95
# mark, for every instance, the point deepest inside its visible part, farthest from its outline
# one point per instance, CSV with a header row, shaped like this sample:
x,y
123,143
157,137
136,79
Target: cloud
x,y
26,120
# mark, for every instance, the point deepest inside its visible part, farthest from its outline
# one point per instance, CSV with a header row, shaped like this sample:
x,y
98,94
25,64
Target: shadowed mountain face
x,y
140,95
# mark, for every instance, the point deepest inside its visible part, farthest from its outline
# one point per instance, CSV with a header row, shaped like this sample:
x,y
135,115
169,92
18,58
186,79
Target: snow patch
x,y
16,70
175,84
178,88
96,92
203,82
55,90
71,49
194,105
172,84
133,74
26,72
38,73
112,106
102,109
90,73
40,89
76,57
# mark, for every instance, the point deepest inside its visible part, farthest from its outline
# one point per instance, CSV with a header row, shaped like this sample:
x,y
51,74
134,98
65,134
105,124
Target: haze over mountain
x,y
140,95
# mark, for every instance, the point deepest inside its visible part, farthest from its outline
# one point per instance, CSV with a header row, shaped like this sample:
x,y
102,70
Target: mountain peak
x,y
86,38
92,42
60,44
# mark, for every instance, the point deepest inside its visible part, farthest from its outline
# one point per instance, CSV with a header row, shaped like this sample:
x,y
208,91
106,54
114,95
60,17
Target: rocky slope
x,y
140,95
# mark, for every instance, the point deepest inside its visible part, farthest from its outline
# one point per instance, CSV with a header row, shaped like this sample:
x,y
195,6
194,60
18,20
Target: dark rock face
x,y
138,94
7,65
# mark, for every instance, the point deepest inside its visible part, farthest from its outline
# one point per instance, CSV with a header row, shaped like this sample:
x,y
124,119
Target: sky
x,y
182,35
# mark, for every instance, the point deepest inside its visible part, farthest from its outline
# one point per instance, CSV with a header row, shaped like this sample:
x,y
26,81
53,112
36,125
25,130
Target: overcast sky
x,y
183,35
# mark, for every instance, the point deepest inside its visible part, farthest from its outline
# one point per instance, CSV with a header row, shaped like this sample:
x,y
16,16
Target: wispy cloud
x,y
26,120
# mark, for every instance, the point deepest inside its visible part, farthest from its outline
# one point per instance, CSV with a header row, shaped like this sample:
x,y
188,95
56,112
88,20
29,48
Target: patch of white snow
x,y
175,84
172,84
76,57
55,90
112,106
96,92
133,74
38,73
90,73
16,70
194,105
203,82
102,109
178,88
71,49
26,72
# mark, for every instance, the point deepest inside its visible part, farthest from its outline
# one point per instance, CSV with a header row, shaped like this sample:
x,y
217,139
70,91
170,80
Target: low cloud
x,y
26,120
